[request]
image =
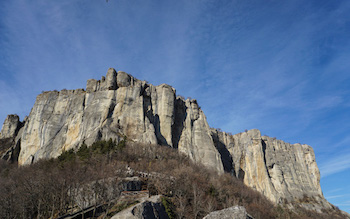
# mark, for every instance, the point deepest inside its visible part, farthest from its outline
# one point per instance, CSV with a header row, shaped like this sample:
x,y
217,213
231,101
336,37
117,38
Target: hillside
x,y
92,178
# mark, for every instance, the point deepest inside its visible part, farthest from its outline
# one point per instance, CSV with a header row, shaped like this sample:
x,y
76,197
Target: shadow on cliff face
x,y
241,174
225,155
154,119
9,149
180,117
160,138
263,143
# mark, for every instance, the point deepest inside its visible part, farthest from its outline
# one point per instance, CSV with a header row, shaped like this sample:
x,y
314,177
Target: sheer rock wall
x,y
120,105
116,106
281,171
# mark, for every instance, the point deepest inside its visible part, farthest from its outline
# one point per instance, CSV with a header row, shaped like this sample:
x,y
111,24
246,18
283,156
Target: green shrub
x,y
84,152
121,144
212,191
67,156
169,207
104,147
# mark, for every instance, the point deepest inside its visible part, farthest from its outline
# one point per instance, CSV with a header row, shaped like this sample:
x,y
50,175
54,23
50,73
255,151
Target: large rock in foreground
x,y
235,212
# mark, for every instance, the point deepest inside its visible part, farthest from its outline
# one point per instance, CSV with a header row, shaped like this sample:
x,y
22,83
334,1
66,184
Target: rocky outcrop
x,y
281,171
150,208
235,212
112,187
10,127
195,139
10,138
131,184
116,106
119,106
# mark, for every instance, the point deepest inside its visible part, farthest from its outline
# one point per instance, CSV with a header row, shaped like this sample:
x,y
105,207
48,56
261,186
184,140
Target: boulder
x,y
131,184
151,208
91,85
235,212
123,79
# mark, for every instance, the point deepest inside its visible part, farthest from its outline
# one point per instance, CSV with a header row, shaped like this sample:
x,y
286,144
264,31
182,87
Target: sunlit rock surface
x,y
116,106
235,212
120,106
279,170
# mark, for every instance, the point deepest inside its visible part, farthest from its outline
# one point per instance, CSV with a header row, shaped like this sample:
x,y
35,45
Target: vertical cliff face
x,y
119,106
116,106
279,170
195,138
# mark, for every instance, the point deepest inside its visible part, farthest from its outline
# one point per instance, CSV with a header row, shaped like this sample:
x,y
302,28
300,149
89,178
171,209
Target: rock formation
x,y
119,106
235,212
9,138
281,171
10,127
149,208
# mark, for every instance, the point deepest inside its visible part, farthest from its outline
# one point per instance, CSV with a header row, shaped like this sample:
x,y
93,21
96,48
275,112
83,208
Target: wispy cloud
x,y
342,204
335,190
335,164
280,66
269,70
335,196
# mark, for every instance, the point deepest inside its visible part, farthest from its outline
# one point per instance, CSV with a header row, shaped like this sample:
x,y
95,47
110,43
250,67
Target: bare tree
x,y
181,201
197,200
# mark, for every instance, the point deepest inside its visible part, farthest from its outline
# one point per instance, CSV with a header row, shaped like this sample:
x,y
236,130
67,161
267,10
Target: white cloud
x,y
335,164
334,196
342,204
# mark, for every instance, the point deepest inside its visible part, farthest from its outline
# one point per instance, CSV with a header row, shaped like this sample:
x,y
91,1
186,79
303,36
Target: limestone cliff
x,y
281,171
120,105
9,138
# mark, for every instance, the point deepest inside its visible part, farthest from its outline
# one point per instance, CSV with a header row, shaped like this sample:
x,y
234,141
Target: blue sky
x,y
280,66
